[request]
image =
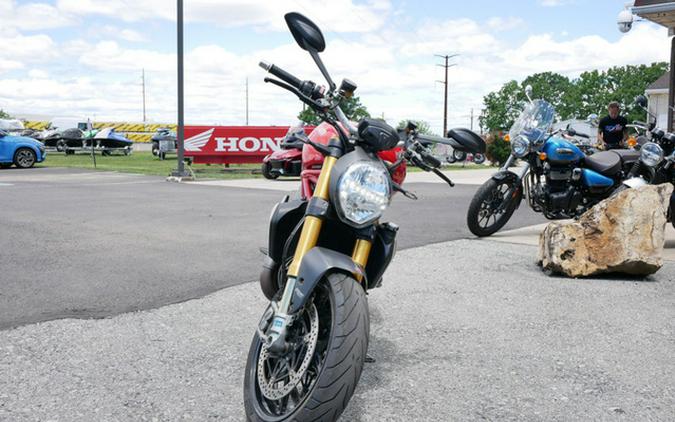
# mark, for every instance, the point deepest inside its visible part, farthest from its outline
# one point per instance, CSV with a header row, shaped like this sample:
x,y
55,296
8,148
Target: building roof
x,y
659,11
662,83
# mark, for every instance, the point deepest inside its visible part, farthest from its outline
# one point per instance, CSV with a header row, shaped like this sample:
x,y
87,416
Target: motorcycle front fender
x,y
286,215
315,265
506,175
511,177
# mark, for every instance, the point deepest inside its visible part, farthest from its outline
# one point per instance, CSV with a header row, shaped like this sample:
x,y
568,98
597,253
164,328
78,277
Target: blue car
x,y
21,151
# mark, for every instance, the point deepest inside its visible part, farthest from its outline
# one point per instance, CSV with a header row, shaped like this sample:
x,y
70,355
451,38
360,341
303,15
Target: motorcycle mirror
x,y
306,33
641,101
309,37
528,92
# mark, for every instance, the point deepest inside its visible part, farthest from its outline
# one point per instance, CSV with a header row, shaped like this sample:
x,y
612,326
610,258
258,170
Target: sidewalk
x,y
463,330
463,177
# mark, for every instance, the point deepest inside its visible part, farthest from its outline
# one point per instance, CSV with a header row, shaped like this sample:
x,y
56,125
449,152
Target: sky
x,y
85,58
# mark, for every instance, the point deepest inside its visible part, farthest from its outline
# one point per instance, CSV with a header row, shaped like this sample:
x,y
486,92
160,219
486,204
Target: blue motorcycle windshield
x,y
534,121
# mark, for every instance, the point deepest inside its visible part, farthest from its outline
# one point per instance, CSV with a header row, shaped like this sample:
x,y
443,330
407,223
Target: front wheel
x,y
316,377
25,158
492,206
266,170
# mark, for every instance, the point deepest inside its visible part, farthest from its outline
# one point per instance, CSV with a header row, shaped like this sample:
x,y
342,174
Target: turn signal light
x,y
543,156
631,142
507,138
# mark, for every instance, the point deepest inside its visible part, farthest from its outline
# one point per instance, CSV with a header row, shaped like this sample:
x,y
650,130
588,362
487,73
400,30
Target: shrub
x,y
498,150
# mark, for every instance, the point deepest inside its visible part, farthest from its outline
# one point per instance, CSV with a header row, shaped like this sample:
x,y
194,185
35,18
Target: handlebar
x,y
281,74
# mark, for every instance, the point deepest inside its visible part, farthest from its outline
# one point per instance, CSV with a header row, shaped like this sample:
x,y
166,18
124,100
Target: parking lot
x,y
463,329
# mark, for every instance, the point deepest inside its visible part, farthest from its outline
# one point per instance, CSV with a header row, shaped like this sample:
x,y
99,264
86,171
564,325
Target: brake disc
x,y
273,389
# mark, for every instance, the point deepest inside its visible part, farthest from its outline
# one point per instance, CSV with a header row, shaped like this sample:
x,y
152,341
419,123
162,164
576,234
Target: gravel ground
x,y
453,340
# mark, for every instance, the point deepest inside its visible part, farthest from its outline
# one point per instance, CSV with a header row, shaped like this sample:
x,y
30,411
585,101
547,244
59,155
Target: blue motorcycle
x,y
558,179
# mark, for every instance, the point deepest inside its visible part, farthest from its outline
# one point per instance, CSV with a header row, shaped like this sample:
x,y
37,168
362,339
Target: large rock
x,y
622,234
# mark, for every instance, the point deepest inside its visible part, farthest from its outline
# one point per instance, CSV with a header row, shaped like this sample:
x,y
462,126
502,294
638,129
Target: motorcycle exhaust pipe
x,y
268,277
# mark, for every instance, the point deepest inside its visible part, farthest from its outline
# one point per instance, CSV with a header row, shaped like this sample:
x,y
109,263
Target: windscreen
x,y
534,121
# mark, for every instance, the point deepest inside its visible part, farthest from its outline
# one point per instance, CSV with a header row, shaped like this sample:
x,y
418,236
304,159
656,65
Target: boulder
x,y
622,234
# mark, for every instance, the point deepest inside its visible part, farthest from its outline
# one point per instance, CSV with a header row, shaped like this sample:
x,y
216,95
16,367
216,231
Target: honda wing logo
x,y
197,142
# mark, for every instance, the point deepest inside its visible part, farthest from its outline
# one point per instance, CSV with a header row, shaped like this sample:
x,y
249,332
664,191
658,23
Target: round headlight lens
x,y
520,146
364,191
651,154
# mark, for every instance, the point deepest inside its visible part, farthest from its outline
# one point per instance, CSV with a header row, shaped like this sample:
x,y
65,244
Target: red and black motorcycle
x,y
327,248
286,161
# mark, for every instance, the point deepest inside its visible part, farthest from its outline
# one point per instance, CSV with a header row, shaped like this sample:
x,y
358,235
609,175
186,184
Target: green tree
x,y
502,107
553,88
422,127
4,115
577,98
352,108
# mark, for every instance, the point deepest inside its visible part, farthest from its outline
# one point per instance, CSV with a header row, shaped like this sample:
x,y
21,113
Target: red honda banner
x,y
233,144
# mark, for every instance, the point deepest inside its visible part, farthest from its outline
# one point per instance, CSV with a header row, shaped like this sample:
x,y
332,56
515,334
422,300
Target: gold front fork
x,y
361,254
312,226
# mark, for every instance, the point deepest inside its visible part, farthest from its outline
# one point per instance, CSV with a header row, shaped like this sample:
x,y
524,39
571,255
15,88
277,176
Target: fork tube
x,y
361,254
312,226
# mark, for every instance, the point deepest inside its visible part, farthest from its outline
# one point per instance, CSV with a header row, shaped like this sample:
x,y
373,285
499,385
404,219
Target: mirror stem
x,y
322,68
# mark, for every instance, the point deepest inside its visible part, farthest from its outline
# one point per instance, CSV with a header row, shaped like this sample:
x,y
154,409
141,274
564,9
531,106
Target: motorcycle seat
x,y
605,162
627,155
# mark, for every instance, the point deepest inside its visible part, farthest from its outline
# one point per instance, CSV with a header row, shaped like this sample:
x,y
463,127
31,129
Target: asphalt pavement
x,y
459,331
77,243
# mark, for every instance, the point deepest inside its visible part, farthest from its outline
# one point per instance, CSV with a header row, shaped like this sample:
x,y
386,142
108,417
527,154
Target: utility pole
x,y
247,101
446,65
180,135
471,119
143,77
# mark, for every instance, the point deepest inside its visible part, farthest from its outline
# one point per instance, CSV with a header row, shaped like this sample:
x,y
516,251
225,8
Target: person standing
x,y
612,128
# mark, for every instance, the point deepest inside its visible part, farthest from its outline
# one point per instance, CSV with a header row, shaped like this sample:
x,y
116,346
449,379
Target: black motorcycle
x,y
657,159
324,254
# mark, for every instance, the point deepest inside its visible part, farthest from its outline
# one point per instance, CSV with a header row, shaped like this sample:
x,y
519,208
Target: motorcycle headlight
x,y
363,193
520,146
651,154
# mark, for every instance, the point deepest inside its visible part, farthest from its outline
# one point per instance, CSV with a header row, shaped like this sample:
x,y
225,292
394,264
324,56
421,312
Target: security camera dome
x,y
625,20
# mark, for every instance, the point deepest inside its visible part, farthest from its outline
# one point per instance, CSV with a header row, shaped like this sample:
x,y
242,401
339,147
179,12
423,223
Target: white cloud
x,y
32,16
18,50
554,3
338,15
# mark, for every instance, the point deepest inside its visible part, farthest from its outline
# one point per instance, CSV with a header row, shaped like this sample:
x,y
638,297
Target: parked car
x,y
21,151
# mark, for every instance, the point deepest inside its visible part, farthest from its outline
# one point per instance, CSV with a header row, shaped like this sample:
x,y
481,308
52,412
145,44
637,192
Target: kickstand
x,y
370,359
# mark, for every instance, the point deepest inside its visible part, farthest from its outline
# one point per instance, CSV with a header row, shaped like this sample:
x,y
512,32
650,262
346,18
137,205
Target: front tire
x,y
266,170
330,379
25,158
487,212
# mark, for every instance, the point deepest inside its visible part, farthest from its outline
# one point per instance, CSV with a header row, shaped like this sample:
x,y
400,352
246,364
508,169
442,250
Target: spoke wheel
x,y
25,158
492,207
